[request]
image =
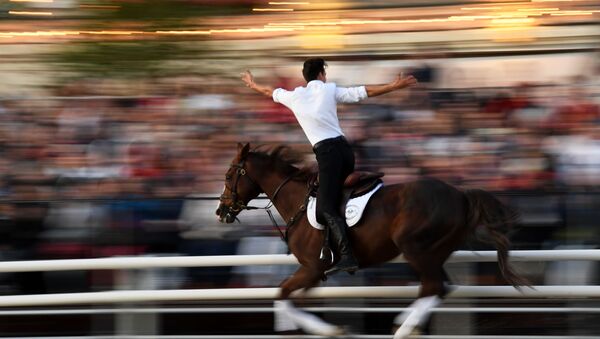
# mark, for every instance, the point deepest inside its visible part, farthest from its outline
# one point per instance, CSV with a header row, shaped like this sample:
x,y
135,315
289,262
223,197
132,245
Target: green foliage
x,y
118,59
160,14
142,58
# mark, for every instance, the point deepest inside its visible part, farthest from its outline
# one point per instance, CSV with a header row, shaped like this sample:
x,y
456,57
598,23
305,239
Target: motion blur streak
x,y
119,117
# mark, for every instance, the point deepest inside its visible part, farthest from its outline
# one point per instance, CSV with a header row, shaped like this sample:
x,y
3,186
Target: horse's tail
x,y
497,218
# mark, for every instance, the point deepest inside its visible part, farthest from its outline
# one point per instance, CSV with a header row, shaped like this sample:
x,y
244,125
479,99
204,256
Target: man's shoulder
x,y
297,89
331,85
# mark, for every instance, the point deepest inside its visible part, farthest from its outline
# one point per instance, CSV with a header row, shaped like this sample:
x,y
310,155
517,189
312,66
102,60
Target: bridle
x,y
238,205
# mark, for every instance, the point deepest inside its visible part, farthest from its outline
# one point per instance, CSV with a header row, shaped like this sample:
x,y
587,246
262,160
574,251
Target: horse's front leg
x,y
289,318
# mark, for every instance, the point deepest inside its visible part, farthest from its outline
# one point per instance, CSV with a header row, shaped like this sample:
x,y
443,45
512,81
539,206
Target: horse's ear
x,y
243,150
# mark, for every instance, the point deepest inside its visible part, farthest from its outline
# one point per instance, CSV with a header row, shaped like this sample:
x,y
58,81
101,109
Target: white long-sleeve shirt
x,y
315,107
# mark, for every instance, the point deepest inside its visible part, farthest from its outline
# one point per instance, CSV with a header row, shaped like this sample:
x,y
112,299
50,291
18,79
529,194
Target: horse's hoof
x,y
337,332
414,333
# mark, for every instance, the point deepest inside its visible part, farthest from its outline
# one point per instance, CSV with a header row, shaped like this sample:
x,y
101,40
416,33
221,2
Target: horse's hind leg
x,y
287,317
430,295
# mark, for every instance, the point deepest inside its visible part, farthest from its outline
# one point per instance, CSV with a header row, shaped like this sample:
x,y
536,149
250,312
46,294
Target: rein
x,y
293,219
284,236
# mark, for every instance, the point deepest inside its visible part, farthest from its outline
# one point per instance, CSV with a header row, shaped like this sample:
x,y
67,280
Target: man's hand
x,y
399,83
248,78
403,82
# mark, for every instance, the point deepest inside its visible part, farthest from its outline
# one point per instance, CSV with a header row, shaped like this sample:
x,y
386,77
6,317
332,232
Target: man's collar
x,y
314,82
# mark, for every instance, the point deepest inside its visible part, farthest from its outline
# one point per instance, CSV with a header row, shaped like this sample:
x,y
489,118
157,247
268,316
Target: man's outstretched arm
x,y
248,78
399,83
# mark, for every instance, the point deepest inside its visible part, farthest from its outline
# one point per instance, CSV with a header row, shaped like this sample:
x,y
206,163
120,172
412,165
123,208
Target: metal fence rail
x,y
253,310
139,296
146,262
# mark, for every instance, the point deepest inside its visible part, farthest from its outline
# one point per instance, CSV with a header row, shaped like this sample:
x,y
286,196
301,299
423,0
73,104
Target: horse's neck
x,y
289,198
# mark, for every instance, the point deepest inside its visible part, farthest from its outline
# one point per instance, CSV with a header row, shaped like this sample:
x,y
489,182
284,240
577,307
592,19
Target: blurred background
x,y
118,120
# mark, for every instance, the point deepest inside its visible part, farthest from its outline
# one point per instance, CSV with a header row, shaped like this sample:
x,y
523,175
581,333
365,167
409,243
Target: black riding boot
x,y
347,262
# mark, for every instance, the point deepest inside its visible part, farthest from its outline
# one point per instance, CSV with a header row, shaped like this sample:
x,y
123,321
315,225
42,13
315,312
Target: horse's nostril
x,y
218,211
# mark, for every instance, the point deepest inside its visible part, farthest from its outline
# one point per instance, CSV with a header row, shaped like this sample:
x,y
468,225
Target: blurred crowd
x,y
86,173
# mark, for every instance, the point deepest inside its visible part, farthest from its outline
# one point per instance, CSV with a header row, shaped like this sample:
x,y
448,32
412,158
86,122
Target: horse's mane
x,y
287,160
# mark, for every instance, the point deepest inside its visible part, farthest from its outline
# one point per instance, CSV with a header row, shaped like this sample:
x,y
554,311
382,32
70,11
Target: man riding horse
x,y
314,106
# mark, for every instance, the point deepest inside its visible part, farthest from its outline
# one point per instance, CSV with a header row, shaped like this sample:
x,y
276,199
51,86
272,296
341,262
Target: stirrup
x,y
327,254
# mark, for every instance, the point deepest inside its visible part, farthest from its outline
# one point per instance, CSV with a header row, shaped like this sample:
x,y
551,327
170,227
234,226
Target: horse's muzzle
x,y
225,214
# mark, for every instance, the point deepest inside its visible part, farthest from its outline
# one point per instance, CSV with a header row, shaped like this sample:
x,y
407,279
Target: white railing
x,y
137,296
127,296
320,309
143,296
116,263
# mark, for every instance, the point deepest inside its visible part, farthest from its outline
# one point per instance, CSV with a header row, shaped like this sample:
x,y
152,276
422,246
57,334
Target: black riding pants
x,y
336,161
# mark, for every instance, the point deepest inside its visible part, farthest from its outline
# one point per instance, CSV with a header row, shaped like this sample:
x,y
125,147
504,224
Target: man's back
x,y
315,107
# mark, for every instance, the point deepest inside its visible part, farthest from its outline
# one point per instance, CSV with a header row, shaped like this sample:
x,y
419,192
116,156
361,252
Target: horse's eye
x,y
228,177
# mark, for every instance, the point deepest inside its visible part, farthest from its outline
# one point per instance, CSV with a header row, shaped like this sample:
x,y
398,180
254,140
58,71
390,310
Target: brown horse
x,y
426,220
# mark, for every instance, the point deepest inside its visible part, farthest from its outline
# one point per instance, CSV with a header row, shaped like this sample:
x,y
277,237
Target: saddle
x,y
356,184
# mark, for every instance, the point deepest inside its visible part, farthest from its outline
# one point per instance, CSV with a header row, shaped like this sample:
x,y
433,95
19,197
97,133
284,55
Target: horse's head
x,y
239,189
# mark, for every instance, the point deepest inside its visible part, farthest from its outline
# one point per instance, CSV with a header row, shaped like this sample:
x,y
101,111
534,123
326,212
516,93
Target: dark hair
x,y
312,68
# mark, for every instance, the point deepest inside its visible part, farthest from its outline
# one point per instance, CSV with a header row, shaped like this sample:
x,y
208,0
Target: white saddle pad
x,y
354,209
